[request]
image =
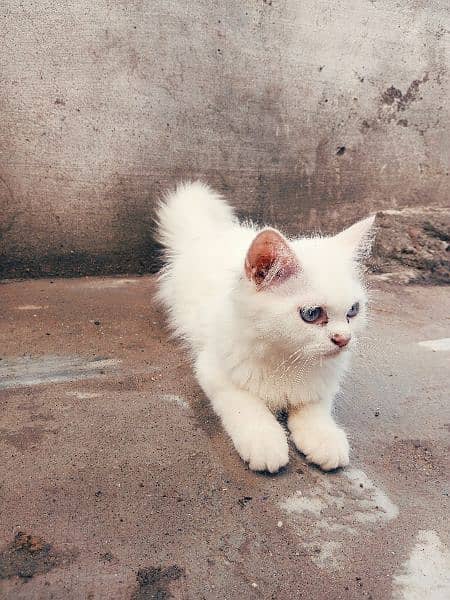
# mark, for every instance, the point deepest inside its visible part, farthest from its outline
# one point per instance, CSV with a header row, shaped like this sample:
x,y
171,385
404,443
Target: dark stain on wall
x,y
393,96
78,264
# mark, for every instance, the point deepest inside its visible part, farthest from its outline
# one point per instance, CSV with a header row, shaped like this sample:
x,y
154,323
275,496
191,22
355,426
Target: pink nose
x,y
340,340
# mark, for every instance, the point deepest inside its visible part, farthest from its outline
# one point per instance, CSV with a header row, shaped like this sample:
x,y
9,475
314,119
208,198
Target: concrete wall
x,y
308,114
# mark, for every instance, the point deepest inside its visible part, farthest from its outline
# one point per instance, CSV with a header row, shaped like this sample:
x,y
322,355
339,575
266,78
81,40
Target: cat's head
x,y
306,295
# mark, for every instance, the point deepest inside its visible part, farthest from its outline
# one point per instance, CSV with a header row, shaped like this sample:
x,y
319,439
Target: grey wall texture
x,y
306,114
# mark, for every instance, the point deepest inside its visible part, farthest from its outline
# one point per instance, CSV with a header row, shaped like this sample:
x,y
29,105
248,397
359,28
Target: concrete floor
x,y
117,482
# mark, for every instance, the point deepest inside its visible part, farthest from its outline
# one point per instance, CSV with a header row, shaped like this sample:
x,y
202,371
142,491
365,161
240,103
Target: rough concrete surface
x,y
308,115
117,482
412,245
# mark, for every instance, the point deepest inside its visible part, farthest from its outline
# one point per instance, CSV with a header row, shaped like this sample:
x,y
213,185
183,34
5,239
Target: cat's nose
x,y
340,340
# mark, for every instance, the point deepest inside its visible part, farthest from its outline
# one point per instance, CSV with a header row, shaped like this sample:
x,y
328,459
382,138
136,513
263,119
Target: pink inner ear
x,y
269,259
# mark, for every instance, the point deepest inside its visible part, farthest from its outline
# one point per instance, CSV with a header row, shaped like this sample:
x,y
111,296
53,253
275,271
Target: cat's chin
x,y
335,352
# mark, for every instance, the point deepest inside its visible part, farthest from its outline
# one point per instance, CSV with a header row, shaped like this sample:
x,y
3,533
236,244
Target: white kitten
x,y
269,321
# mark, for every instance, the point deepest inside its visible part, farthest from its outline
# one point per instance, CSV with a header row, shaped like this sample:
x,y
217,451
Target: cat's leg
x,y
256,434
317,436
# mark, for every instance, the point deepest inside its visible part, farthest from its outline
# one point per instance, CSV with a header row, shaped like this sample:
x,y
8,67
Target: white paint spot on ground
x,y
384,508
26,371
401,276
173,399
426,573
441,345
299,504
326,554
31,307
384,276
109,283
84,395
335,510
409,210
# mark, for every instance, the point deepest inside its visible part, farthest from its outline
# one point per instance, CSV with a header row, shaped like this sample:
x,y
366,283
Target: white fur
x,y
252,351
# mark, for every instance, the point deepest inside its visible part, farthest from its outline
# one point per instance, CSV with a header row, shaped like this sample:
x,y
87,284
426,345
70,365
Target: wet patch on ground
x,y
28,371
416,458
24,439
29,555
204,417
154,582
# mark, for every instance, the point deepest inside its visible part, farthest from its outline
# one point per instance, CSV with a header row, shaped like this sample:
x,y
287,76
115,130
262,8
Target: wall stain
x,y
77,264
397,101
7,223
394,96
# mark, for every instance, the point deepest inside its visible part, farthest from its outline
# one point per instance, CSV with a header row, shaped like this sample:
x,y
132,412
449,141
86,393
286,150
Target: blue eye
x,y
353,311
311,314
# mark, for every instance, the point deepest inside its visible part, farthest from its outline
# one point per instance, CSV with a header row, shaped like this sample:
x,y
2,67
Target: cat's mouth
x,y
335,351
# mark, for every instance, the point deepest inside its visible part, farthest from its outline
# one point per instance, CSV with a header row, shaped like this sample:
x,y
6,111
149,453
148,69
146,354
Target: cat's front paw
x,y
264,447
324,445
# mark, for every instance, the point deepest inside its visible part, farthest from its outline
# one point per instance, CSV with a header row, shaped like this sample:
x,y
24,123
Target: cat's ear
x,y
359,237
270,260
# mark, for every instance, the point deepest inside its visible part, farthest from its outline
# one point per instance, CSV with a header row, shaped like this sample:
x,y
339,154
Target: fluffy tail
x,y
193,210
